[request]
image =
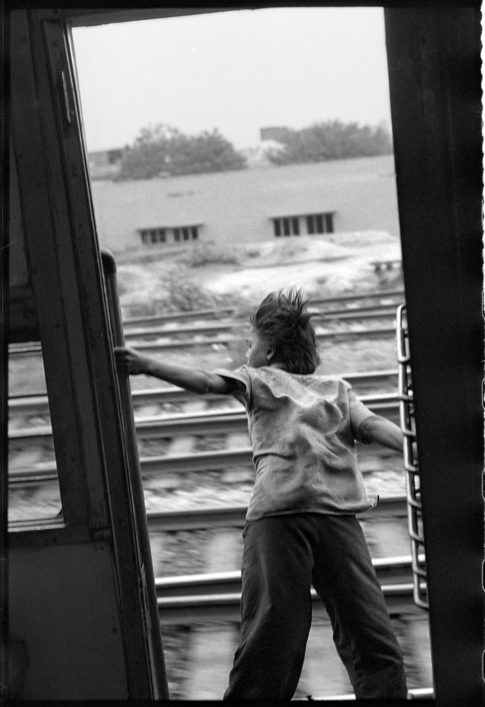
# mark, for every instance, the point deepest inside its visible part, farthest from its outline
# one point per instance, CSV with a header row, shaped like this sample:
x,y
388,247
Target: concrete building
x,y
247,205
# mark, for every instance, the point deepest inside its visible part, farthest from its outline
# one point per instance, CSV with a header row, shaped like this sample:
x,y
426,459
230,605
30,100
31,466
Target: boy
x,y
301,527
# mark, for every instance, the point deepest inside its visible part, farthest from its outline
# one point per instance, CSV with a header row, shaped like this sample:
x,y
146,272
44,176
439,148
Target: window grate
x,y
151,236
309,224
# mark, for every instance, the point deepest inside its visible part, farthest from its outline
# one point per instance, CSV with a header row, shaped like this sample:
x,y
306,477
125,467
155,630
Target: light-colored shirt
x,y
303,430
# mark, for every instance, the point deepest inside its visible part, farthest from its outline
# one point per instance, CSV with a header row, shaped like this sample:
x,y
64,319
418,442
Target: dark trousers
x,y
283,556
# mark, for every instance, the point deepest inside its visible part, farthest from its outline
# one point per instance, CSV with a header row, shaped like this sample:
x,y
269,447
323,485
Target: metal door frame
x,y
434,75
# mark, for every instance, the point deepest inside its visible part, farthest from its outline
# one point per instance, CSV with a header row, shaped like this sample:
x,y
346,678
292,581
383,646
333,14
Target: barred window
x,y
287,226
153,235
295,225
185,233
319,223
150,236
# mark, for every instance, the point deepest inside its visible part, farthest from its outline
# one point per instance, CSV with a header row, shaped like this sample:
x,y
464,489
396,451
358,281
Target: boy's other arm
x,y
378,429
194,379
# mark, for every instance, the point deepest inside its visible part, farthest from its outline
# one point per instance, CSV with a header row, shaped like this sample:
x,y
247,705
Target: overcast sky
x,y
236,71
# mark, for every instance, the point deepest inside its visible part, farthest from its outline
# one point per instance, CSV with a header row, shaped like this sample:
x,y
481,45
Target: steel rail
x,y
357,297
383,312
231,310
210,518
171,394
389,570
177,463
186,610
210,313
210,422
158,346
368,312
389,506
29,349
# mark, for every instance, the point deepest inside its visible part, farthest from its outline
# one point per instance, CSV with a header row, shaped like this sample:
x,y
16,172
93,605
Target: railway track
x,y
154,347
207,605
224,516
178,437
225,606
195,597
203,334
389,506
203,601
218,460
38,405
208,422
217,327
390,571
329,305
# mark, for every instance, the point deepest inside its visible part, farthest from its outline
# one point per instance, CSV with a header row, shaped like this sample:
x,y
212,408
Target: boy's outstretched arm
x,y
193,379
378,429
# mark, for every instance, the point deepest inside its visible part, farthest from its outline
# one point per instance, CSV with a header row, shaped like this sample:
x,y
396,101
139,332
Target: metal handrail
x,y
411,466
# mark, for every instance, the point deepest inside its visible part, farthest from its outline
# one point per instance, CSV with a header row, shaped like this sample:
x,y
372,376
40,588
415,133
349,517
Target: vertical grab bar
x,y
157,659
411,467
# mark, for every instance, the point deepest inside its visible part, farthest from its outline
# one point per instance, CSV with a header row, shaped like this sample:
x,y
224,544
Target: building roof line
x,y
184,224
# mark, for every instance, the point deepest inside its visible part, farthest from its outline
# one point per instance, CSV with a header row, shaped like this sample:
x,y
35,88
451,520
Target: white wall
x,y
235,207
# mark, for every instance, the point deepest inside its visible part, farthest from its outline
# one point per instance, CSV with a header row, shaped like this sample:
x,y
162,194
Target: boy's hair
x,y
284,321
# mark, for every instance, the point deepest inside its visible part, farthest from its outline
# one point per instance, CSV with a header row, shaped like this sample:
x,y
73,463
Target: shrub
x,y
185,294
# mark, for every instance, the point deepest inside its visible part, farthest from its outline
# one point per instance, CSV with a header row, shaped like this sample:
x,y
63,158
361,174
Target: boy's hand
x,y
130,361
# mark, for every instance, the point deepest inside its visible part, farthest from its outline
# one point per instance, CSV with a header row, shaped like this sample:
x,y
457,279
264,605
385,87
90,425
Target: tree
x,y
163,150
331,140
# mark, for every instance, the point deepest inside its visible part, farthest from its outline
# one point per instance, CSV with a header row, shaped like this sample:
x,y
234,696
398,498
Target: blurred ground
x,y
206,275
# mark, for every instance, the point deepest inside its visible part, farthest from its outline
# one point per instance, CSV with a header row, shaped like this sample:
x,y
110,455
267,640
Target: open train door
x,y
82,612
434,76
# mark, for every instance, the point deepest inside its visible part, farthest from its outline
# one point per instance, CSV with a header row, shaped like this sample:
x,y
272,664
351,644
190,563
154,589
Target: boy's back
x,y
302,430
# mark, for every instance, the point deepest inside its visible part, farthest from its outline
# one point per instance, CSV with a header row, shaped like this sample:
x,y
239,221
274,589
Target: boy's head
x,y
283,333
